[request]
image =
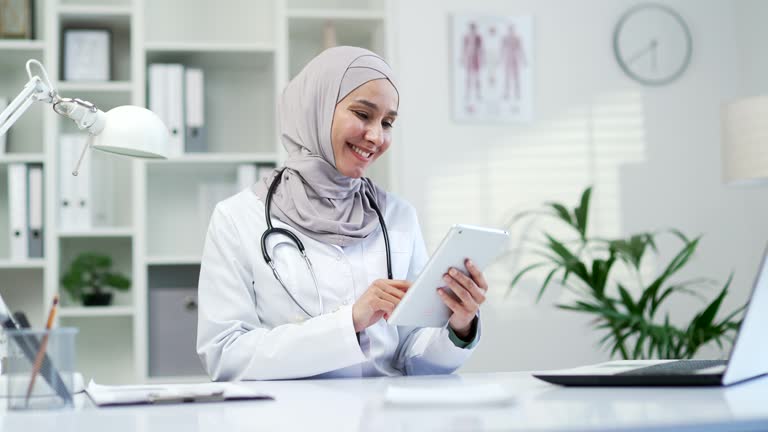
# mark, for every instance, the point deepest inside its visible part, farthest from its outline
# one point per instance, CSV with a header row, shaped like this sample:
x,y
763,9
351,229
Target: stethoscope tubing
x,y
300,246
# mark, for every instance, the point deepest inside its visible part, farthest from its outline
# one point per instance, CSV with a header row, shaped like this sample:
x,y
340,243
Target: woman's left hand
x,y
469,295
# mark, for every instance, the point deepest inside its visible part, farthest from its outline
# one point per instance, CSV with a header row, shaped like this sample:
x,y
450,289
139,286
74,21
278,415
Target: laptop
x,y
748,358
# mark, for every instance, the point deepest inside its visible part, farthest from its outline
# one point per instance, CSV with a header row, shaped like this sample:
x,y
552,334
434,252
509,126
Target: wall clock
x,y
652,44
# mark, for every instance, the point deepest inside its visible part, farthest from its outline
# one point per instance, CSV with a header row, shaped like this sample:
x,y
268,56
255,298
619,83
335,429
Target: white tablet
x,y
422,306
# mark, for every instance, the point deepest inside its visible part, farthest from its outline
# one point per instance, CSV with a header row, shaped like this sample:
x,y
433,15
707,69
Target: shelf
x,y
95,12
222,158
14,55
9,158
21,45
208,47
173,260
212,55
95,311
110,86
335,5
98,232
357,31
333,14
32,263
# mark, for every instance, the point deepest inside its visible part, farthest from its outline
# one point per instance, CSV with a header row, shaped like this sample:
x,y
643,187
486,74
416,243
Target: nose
x,y
374,134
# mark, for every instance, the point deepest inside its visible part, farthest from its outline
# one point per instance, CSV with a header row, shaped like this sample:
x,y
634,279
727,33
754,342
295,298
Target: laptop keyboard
x,y
680,367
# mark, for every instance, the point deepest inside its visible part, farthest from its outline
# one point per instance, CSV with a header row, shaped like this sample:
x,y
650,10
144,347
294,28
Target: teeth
x,y
360,152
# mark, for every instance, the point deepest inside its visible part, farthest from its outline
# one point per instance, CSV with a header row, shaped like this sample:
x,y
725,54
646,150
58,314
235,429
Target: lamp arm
x,y
89,118
85,114
35,90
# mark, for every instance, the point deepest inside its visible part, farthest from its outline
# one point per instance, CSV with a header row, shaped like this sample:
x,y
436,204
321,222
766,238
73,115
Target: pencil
x,y
43,344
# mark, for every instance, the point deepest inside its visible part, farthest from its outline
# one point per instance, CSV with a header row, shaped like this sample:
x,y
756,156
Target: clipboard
x,y
105,396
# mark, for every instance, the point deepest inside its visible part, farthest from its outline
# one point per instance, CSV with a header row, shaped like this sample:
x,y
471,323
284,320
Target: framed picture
x,y
87,54
492,65
16,19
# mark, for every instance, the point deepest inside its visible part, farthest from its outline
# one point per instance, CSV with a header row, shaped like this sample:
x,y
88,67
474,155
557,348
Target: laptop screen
x,y
749,356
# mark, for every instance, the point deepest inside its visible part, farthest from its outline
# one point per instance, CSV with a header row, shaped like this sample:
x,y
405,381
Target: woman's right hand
x,y
377,302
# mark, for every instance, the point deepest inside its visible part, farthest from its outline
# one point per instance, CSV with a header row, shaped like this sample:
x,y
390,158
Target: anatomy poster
x,y
492,68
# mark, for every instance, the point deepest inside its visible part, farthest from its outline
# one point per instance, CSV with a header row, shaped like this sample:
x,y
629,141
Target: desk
x,y
356,405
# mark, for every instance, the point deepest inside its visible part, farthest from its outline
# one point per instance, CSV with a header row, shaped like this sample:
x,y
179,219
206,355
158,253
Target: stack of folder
x,y
25,203
176,94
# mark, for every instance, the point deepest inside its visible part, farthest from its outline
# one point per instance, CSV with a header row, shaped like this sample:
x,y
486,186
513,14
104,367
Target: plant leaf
x,y
546,282
569,260
521,274
581,212
562,213
627,301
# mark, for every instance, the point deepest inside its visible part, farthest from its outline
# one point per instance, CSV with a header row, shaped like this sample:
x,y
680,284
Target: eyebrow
x,y
372,105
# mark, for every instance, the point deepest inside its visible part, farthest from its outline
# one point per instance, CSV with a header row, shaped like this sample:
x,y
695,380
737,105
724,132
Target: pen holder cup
x,y
50,355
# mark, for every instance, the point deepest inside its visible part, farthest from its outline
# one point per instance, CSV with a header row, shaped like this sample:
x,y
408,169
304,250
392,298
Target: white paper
x,y
130,394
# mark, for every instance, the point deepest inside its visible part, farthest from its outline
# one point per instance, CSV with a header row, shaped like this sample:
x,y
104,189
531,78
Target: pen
x,y
43,344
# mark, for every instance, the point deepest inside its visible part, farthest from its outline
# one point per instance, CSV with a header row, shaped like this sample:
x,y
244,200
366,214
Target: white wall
x,y
653,154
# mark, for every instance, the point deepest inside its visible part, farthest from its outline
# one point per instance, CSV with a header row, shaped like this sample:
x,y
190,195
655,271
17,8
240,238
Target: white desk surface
x,y
357,405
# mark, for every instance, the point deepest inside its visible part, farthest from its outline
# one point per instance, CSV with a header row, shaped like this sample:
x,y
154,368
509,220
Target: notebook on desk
x,y
748,358
103,395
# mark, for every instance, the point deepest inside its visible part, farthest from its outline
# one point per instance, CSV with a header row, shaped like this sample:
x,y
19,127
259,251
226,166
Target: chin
x,y
355,174
352,172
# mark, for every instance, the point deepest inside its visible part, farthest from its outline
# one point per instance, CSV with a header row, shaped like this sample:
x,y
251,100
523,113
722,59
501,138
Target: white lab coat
x,y
248,327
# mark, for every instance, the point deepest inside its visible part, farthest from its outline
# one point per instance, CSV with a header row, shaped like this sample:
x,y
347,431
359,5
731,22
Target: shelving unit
x,y
248,53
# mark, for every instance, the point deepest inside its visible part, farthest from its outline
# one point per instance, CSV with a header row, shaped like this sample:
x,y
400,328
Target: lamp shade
x,y
133,131
745,141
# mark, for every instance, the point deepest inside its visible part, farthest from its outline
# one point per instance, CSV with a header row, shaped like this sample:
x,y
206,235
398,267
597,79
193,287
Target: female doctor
x,y
267,310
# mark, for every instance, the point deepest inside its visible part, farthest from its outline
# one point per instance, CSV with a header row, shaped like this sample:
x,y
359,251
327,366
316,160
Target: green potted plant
x,y
631,323
90,280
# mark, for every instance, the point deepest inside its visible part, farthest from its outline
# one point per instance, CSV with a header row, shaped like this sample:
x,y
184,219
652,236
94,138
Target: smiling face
x,y
362,126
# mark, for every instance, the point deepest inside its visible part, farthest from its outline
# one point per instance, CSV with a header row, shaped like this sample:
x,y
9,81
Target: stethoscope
x,y
299,245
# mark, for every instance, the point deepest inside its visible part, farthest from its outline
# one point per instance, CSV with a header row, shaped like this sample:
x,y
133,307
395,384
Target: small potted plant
x,y
90,280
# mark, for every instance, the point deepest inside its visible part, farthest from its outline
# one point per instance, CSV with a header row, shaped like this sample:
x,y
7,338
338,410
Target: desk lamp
x,y
126,130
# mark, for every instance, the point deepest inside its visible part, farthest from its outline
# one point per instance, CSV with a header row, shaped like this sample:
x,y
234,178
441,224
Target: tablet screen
x,y
422,306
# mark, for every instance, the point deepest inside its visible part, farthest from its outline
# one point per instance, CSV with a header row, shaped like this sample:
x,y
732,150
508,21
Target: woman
x,y
326,317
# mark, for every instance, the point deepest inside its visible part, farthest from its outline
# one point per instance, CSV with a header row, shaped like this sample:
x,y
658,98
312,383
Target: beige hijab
x,y
313,196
